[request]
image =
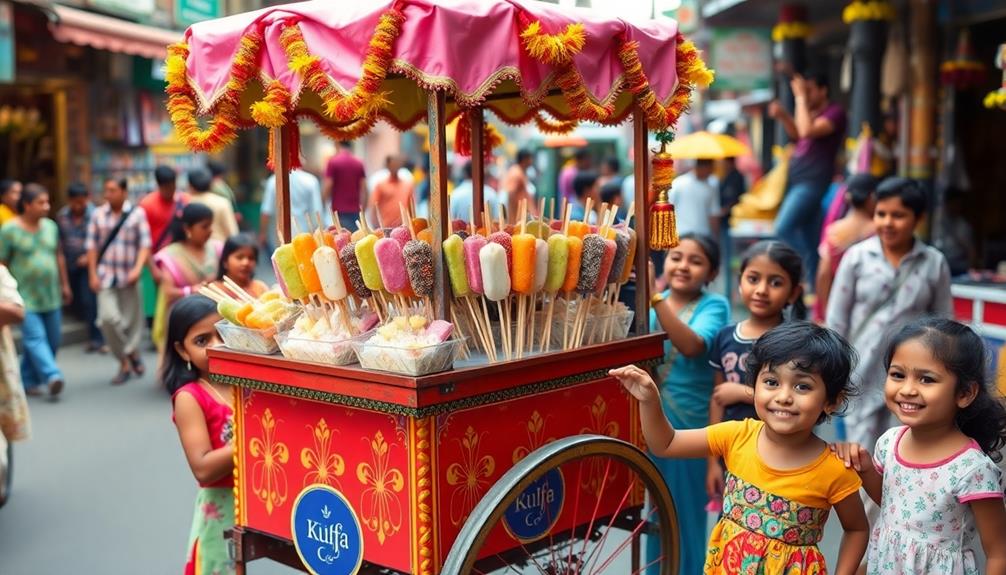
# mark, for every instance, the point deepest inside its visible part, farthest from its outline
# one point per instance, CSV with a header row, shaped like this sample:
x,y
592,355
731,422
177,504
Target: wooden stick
x,y
503,331
489,326
530,333
238,289
546,339
476,326
461,332
206,291
335,220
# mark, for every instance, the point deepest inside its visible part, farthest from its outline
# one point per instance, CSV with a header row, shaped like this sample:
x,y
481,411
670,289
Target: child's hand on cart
x,y
637,382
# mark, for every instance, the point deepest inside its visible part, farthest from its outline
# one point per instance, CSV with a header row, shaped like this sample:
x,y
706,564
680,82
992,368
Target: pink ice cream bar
x,y
391,264
441,329
473,245
401,235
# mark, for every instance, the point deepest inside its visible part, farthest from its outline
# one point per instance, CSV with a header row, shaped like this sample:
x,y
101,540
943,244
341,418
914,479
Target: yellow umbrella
x,y
707,146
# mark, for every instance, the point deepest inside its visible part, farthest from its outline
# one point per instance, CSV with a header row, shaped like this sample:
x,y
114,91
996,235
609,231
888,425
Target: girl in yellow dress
x,y
782,480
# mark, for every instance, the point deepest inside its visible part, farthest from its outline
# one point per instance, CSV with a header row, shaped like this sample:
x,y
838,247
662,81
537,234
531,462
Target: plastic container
x,y
326,352
260,341
414,361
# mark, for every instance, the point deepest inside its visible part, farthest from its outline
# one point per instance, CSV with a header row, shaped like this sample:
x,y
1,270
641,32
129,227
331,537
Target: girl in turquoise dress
x,y
691,317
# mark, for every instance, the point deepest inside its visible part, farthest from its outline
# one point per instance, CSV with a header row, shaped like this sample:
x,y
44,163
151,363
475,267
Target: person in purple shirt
x,y
581,163
818,127
345,185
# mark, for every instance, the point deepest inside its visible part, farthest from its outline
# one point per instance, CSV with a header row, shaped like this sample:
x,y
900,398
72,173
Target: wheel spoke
x,y
597,506
621,547
648,565
576,508
595,554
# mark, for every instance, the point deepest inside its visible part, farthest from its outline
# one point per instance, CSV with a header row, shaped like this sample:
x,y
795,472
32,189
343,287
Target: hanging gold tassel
x,y
663,224
663,230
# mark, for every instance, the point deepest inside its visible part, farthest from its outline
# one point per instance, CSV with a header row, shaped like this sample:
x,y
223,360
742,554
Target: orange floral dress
x,y
772,518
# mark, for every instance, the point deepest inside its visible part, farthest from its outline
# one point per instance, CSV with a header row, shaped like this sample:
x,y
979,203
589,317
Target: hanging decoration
x,y
872,10
552,126
491,138
997,98
663,230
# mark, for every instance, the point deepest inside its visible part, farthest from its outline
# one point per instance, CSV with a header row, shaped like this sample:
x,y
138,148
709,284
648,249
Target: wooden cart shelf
x,y
432,394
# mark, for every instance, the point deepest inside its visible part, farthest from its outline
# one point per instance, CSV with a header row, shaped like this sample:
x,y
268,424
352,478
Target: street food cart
x,y
529,464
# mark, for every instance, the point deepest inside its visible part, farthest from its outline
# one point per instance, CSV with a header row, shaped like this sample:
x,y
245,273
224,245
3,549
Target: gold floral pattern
x,y
325,465
380,507
600,425
269,481
535,433
469,476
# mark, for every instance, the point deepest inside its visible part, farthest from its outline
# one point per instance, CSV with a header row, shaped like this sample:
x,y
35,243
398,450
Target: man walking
x,y
697,201
305,200
73,220
118,245
818,126
345,185
160,207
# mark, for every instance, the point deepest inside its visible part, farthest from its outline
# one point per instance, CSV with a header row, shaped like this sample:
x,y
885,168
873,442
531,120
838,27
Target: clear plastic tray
x,y
261,341
327,352
414,361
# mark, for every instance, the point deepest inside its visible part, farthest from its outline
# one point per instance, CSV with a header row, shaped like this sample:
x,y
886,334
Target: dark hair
x,y
76,190
704,163
860,188
613,164
523,154
908,190
709,246
348,144
466,170
962,353
582,154
192,214
200,179
781,254
611,190
29,194
6,185
233,244
184,314
121,183
582,182
165,175
811,348
819,78
216,168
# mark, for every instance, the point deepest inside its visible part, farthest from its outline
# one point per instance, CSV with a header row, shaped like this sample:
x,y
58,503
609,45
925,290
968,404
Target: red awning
x,y
75,26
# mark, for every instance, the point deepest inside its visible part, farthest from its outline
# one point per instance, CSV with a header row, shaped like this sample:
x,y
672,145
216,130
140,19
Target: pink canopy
x,y
479,52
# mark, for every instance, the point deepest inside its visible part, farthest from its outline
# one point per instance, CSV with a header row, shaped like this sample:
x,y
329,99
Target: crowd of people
x,y
730,416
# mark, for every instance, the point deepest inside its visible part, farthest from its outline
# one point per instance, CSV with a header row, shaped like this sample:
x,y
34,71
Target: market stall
x,y
440,380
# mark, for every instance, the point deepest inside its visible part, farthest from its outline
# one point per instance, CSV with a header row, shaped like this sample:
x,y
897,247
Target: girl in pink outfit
x,y
203,416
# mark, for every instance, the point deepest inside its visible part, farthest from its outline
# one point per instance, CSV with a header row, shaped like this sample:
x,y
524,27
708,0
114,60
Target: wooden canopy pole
x,y
477,115
281,168
439,218
641,164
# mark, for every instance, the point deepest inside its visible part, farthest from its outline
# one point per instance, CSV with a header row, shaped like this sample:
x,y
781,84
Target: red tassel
x,y
463,136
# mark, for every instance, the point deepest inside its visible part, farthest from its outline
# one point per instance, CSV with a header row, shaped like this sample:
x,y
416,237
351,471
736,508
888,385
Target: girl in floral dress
x,y
935,478
782,480
203,416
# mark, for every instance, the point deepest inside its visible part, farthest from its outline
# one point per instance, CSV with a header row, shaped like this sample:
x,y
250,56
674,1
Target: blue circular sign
x,y
535,511
326,532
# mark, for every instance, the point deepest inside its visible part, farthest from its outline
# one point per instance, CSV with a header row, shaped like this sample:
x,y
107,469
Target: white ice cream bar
x,y
326,261
495,275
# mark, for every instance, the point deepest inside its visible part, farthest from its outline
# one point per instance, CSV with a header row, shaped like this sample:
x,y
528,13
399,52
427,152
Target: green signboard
x,y
742,58
188,12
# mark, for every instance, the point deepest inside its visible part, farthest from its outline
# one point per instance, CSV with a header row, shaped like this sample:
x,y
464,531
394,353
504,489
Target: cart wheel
x,y
600,525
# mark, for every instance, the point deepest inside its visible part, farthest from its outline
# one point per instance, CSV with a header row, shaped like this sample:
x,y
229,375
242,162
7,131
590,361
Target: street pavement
x,y
103,488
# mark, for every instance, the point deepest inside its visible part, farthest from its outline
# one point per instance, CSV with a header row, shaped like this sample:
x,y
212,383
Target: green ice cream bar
x,y
558,258
454,256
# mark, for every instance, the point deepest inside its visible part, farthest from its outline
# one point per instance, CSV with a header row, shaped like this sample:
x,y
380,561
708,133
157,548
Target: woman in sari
x,y
190,261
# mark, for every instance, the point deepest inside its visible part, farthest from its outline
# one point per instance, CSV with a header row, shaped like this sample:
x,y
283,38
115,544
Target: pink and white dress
x,y
926,524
